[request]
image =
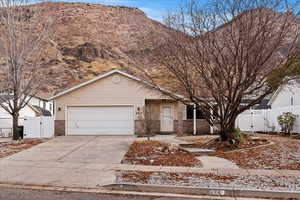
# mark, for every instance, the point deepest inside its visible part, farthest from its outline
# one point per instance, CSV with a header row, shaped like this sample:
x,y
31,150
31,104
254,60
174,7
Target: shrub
x,y
237,136
287,122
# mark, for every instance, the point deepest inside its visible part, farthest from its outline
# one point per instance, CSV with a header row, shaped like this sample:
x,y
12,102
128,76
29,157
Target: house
x,y
32,109
43,105
286,95
111,104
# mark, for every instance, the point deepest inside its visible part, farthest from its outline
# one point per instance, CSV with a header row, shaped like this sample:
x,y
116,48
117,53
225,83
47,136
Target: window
x,y
190,113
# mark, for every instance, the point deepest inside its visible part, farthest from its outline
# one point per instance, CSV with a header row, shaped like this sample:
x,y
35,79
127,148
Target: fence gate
x,y
39,127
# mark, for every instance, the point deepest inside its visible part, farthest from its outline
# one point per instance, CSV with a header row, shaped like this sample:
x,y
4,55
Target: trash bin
x,y
21,131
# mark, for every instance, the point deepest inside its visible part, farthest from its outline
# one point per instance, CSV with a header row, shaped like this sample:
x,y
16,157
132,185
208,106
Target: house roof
x,y
108,74
264,104
42,111
280,88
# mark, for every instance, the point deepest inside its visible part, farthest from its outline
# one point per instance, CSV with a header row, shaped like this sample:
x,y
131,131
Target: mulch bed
x,y
220,146
159,154
284,153
12,147
247,142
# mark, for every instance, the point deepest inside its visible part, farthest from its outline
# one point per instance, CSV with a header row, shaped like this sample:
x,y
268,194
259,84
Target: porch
x,y
165,116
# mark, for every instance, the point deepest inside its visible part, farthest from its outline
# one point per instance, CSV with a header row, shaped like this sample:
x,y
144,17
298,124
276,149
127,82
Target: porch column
x,y
180,110
195,119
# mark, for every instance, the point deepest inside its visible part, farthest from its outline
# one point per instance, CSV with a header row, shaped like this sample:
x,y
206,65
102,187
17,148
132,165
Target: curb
x,y
106,190
224,192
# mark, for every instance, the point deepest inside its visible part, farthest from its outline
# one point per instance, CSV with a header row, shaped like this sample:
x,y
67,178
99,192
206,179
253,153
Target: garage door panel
x,y
113,120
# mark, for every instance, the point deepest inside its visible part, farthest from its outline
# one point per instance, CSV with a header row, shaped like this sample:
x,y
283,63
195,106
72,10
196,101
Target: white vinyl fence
x,y
6,124
266,120
39,127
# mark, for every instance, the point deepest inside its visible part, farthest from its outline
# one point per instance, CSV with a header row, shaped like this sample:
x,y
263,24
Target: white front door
x,y
167,122
100,120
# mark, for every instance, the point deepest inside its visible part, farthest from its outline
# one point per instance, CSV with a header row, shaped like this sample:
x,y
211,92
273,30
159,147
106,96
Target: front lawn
x,y
159,154
14,146
259,151
284,153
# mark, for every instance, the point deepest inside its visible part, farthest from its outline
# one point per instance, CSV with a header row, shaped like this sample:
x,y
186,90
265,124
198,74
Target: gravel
x,y
274,183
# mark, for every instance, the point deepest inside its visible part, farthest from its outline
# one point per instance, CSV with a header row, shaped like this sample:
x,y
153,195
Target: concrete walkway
x,y
73,161
216,162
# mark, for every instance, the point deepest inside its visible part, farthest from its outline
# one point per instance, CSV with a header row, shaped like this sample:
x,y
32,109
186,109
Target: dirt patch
x,y
159,154
12,147
284,153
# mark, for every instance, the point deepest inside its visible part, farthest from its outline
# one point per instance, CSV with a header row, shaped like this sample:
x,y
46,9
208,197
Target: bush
x,y
237,136
287,122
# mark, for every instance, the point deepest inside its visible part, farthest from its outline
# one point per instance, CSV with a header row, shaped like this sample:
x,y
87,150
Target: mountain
x,y
90,39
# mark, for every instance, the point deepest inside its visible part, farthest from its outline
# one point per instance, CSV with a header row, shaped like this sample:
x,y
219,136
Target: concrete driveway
x,y
71,161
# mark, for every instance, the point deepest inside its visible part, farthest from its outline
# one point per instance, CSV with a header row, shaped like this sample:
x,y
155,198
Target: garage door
x,y
108,120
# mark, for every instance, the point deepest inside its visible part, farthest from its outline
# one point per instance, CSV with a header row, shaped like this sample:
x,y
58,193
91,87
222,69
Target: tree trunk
x,y
226,132
16,135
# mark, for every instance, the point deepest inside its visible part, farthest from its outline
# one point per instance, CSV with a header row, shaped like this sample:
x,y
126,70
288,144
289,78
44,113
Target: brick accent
x,y
59,127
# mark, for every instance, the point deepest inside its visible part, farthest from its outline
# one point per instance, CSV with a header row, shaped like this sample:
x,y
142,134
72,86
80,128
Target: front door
x,y
167,123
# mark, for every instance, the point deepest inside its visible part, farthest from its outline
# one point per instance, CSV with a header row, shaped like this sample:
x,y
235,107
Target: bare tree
x,y
222,54
24,32
148,121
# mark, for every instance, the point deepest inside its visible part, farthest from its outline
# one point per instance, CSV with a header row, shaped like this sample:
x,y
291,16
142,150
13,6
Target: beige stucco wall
x,y
105,92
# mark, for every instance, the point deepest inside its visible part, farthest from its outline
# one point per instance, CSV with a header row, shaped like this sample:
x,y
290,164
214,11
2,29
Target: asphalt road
x,y
27,194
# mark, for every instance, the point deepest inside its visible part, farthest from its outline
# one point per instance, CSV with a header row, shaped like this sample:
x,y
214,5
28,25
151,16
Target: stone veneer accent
x,y
59,127
139,130
203,127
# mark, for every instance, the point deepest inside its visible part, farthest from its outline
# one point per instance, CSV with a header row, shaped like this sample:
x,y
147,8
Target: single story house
x,y
111,104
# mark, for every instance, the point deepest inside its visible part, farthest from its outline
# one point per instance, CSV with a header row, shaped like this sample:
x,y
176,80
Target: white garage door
x,y
108,120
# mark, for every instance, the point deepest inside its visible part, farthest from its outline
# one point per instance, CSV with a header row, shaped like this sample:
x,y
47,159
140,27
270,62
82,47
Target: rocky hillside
x,y
90,39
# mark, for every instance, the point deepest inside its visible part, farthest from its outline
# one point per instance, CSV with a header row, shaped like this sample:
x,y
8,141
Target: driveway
x,y
72,161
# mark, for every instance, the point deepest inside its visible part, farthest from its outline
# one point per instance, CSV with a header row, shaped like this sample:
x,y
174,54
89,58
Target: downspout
x,y
195,119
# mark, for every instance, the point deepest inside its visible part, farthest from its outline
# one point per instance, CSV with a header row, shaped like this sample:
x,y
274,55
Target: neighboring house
x,y
286,95
32,109
43,104
110,104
